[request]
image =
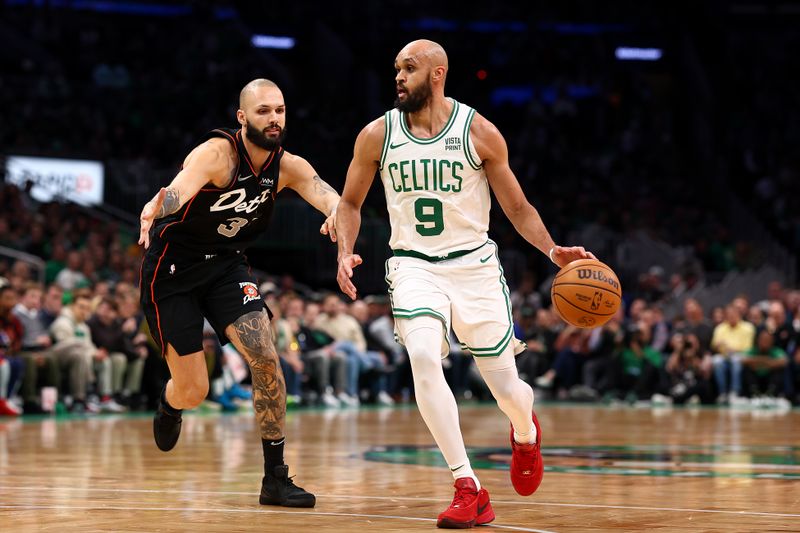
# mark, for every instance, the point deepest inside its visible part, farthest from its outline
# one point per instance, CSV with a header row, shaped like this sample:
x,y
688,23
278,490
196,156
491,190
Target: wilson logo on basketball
x,y
587,273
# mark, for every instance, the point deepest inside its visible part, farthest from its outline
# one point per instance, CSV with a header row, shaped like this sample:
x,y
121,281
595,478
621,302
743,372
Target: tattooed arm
x,y
301,177
252,336
214,161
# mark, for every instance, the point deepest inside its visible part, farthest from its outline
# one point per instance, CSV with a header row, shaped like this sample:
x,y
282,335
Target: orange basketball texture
x,y
586,293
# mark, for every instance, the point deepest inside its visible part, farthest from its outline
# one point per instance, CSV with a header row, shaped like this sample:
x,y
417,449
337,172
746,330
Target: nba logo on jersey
x,y
250,292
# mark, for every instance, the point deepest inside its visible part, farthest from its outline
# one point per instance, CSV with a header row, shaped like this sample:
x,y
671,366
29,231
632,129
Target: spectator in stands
x,y
526,295
72,277
20,275
52,304
132,321
639,366
11,364
377,351
572,348
347,333
689,370
779,325
316,351
756,315
731,340
717,316
108,336
604,343
764,367
57,260
73,343
381,327
289,352
40,361
540,331
697,325
659,328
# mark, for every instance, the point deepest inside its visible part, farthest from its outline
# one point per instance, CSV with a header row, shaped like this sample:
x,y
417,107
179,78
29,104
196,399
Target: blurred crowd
x,y
603,149
596,143
72,336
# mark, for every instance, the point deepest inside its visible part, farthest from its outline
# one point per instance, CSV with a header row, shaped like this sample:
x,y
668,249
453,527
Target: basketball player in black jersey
x,y
195,232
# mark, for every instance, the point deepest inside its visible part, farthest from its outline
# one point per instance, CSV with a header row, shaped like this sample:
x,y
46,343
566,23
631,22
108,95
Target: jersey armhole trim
x,y
387,135
467,152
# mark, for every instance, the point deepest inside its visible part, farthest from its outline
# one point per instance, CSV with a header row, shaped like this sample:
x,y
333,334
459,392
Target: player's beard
x,y
260,139
416,99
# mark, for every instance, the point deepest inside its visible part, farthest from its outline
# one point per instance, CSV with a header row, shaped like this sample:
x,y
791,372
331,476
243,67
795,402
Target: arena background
x,y
662,136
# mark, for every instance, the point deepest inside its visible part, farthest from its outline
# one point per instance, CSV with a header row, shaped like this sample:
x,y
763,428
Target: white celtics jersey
x,y
436,190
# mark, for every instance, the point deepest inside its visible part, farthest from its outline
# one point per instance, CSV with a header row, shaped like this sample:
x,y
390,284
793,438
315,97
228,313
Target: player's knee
x,y
424,343
195,394
190,395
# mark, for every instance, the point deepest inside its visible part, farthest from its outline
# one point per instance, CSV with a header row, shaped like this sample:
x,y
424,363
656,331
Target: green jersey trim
x,y
450,121
436,259
387,136
475,165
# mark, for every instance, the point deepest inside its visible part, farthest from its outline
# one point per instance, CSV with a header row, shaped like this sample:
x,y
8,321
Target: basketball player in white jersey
x,y
437,159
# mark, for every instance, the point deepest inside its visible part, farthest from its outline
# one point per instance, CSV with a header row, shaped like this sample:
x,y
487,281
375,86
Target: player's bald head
x,y
426,52
251,88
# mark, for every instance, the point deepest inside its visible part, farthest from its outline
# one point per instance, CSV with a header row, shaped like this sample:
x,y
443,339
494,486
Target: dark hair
x,y
109,302
81,294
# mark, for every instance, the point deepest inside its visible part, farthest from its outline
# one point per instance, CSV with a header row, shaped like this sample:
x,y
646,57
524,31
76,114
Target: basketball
x,y
586,293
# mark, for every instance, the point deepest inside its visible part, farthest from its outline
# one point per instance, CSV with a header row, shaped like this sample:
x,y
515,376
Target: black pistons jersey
x,y
217,220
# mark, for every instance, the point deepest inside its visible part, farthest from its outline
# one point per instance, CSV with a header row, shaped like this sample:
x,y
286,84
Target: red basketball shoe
x,y
527,467
470,507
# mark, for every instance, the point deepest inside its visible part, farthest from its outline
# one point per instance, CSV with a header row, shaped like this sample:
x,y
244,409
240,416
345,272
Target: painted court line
x,y
411,498
247,511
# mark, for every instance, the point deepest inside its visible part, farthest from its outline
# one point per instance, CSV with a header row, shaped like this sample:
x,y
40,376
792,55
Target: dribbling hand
x,y
346,265
148,215
563,255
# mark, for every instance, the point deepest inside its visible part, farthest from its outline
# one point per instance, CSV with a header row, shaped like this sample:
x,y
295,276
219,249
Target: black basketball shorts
x,y
180,288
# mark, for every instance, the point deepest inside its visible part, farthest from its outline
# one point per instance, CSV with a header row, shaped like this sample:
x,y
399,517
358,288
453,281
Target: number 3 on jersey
x,y
233,227
429,212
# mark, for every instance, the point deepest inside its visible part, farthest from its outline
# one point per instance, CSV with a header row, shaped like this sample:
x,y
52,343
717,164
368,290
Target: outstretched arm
x,y
360,174
492,149
211,162
302,178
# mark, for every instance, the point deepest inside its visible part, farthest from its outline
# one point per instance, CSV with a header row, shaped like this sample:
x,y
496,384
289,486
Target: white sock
x,y
464,470
514,396
525,438
435,400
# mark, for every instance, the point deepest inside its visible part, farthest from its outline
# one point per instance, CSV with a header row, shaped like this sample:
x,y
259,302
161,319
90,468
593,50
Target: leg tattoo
x,y
252,336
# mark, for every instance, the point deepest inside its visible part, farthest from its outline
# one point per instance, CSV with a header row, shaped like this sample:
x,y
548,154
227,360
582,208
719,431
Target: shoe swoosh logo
x,y
246,177
482,508
486,259
393,146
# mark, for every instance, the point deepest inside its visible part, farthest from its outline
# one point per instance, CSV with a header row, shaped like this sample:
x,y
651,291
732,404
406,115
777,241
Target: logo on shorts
x,y
250,292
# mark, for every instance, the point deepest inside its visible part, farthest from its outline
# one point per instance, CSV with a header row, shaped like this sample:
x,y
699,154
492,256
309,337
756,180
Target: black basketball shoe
x,y
279,489
166,426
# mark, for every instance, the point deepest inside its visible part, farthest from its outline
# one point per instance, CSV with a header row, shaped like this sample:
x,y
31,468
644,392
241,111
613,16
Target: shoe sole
x,y
306,504
485,518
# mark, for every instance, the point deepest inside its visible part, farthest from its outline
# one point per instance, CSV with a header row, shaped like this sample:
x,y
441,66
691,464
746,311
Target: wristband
x,y
550,253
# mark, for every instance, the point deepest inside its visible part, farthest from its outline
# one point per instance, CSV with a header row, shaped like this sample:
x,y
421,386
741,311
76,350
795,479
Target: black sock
x,y
273,454
167,407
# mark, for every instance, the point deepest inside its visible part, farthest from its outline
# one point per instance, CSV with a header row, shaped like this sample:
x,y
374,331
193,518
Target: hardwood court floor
x,y
619,469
